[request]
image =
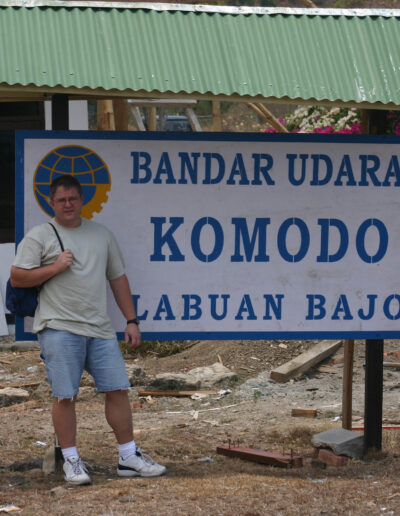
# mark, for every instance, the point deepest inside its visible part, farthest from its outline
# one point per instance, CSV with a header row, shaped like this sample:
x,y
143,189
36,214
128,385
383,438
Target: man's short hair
x,y
66,181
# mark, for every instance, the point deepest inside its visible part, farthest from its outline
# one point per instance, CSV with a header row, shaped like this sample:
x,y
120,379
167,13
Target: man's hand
x,y
132,335
64,260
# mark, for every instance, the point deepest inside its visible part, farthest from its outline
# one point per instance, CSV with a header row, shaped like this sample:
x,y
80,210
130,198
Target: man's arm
x,y
122,294
20,277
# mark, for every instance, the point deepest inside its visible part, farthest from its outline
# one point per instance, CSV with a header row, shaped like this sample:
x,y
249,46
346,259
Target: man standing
x,y
73,328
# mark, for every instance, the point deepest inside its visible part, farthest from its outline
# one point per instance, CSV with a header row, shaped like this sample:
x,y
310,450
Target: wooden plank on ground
x,y
176,393
301,412
262,457
21,385
299,365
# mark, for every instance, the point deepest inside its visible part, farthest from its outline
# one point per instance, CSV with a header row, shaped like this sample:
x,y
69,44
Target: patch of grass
x,y
256,395
159,348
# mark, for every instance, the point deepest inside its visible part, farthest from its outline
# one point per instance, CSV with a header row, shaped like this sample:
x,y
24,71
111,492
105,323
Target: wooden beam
x,y
301,412
262,457
177,394
347,397
193,121
138,118
216,116
178,103
271,119
297,366
309,3
266,115
105,115
121,114
151,119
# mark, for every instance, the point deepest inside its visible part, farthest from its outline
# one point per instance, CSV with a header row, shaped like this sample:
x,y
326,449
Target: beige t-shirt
x,y
74,300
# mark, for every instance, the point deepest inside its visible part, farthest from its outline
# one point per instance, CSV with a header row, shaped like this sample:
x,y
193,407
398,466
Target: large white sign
x,y
237,235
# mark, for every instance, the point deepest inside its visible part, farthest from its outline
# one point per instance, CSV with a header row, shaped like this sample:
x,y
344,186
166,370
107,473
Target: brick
x,y
330,458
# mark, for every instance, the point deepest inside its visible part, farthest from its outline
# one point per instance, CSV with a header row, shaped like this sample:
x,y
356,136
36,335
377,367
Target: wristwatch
x,y
133,321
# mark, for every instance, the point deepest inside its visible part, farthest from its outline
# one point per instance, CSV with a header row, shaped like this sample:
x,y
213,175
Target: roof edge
x,y
198,8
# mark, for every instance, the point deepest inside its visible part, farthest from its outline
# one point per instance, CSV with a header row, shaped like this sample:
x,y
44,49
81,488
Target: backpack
x,y
23,301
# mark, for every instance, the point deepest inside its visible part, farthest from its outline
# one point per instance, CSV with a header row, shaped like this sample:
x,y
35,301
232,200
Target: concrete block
x,y
341,441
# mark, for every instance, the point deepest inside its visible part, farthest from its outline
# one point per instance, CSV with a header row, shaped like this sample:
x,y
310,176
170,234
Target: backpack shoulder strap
x,y
58,236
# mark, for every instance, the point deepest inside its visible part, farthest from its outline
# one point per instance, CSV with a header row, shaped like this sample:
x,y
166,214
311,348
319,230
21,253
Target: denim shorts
x,y
66,355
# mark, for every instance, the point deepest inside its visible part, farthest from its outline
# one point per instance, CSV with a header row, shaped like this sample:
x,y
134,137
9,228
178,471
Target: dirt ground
x,y
183,434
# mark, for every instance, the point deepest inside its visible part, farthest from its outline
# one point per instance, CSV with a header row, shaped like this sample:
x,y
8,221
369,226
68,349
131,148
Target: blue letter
x,y
164,306
238,169
370,171
218,241
328,174
208,180
292,179
386,307
274,302
371,308
135,299
260,230
187,165
164,167
345,169
167,238
383,241
246,306
305,240
312,306
214,297
141,166
263,169
392,171
192,302
342,306
324,255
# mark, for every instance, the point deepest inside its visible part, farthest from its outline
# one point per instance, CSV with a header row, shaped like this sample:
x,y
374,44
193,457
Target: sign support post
x,y
373,395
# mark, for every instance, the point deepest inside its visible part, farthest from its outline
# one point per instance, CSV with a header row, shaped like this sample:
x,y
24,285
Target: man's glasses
x,y
65,200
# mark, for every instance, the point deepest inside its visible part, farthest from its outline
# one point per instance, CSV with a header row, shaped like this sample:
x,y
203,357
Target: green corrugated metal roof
x,y
164,50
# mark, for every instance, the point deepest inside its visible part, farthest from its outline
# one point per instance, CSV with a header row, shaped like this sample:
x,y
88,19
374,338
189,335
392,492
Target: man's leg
x,y
119,415
64,421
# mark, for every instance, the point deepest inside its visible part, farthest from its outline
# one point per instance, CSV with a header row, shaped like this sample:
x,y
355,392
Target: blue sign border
x,y
20,137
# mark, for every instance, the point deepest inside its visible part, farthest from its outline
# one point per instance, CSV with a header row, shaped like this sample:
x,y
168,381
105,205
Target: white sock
x,y
69,452
127,449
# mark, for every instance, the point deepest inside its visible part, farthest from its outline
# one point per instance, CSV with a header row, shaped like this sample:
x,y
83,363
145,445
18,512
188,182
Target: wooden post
x,y
121,114
375,123
216,116
105,115
373,395
59,112
151,119
347,405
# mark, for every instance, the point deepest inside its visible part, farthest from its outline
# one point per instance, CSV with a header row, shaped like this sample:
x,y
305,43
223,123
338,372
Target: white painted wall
x,y
78,115
7,252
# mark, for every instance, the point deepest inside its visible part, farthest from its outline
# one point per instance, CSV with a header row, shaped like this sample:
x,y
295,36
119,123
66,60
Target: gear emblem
x,y
82,163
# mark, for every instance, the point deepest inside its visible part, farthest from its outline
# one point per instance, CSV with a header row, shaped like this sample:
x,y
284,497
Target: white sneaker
x,y
75,471
139,465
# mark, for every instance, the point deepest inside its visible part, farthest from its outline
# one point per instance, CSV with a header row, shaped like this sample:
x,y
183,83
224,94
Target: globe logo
x,y
82,163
